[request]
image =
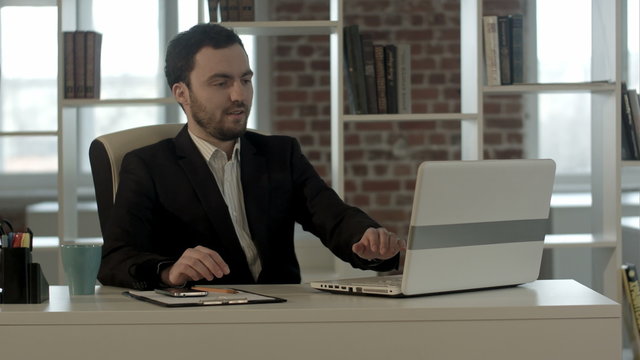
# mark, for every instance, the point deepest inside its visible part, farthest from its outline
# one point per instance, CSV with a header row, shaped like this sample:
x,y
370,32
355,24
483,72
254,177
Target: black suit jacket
x,y
168,201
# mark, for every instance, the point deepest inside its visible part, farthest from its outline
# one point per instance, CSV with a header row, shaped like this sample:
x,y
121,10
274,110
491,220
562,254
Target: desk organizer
x,y
21,280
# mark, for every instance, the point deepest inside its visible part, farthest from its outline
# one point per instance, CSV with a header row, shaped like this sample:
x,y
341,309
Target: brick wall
x,y
381,158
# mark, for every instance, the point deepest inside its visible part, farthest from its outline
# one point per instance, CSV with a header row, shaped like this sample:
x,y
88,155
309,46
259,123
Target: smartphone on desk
x,y
181,292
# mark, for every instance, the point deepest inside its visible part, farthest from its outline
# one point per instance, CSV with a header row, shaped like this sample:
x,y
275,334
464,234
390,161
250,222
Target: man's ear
x,y
181,93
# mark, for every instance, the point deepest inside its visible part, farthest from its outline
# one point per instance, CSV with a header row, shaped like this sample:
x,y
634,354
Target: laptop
x,y
474,225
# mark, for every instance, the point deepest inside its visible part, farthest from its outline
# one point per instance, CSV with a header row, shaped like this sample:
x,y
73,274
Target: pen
x,y
208,289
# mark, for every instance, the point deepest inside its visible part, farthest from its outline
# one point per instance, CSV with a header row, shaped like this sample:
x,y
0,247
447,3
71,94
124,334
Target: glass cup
x,y
81,262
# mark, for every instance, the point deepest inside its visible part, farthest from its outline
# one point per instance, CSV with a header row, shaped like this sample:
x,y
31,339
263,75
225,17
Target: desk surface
x,y
498,322
540,299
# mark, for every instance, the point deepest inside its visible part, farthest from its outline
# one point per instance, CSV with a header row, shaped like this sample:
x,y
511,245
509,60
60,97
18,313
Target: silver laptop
x,y
474,225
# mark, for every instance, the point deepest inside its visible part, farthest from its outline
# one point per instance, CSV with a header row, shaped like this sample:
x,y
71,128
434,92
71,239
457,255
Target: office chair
x,y
106,153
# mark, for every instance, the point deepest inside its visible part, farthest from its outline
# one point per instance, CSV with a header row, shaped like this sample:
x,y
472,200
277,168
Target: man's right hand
x,y
195,264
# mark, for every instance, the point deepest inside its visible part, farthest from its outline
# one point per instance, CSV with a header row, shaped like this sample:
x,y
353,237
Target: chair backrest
x,y
106,153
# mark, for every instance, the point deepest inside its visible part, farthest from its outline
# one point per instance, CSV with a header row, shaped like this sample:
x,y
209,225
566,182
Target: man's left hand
x,y
378,244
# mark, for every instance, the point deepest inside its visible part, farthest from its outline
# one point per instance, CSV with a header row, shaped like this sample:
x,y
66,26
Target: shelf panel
x,y
283,28
576,241
595,86
29,133
116,102
409,117
630,163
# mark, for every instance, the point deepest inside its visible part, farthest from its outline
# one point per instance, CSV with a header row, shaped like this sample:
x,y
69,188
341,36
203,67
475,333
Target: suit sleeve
x,y
320,211
126,257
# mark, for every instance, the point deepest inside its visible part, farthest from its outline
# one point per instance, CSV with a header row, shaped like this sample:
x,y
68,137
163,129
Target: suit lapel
x,y
204,184
255,188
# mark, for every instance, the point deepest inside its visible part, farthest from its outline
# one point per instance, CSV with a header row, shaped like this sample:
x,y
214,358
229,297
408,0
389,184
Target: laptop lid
x,y
477,224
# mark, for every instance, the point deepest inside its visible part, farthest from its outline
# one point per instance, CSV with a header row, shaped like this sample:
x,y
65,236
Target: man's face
x,y
220,93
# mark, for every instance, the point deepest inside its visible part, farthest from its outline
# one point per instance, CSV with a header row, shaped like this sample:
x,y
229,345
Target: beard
x,y
218,126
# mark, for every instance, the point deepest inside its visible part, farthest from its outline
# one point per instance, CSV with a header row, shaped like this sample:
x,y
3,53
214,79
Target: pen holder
x,y
22,280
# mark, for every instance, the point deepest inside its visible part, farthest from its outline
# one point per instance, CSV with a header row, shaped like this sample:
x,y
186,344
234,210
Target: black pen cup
x,y
22,280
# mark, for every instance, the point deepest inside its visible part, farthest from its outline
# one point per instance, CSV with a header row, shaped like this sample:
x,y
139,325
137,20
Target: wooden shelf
x,y
586,87
284,28
116,102
409,117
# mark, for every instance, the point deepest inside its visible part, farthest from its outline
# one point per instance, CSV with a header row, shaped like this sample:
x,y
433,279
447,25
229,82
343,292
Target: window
x,y
132,67
28,82
564,55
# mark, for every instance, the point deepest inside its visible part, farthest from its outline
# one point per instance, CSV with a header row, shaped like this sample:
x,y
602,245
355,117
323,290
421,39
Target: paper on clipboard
x,y
239,298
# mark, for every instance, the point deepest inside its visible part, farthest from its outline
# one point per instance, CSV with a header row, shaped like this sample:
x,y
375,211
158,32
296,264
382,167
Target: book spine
x,y
504,45
350,69
404,78
224,10
517,49
629,124
369,73
233,9
378,52
92,78
213,10
80,62
390,72
361,87
69,67
634,113
632,291
491,50
246,11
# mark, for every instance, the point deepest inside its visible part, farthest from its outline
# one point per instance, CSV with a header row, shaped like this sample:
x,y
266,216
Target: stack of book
x,y
378,77
630,137
503,51
631,302
231,10
82,64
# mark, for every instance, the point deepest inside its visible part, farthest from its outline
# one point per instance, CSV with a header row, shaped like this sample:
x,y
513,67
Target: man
x,y
217,204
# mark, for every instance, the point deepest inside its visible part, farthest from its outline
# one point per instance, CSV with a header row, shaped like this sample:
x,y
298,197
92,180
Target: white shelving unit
x,y
605,239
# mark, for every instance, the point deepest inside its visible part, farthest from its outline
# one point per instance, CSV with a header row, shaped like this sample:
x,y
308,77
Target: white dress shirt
x,y
227,175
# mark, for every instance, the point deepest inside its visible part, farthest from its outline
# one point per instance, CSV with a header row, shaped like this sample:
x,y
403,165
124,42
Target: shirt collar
x,y
207,149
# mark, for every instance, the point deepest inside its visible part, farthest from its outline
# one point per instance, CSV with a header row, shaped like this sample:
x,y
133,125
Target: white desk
x,y
551,319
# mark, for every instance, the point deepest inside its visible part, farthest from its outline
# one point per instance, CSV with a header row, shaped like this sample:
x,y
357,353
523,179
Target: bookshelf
x,y
605,239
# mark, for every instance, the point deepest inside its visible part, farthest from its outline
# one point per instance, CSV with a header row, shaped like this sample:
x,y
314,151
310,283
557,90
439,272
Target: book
x,y
634,106
381,78
361,87
369,73
628,126
404,78
246,11
631,309
213,10
92,67
504,46
353,49
233,9
491,49
350,69
69,66
79,61
517,49
390,74
223,9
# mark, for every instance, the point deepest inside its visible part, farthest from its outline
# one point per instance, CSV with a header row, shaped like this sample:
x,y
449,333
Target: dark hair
x,y
182,49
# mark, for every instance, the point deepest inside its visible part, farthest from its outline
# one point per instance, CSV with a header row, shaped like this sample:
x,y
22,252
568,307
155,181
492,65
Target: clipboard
x,y
241,297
